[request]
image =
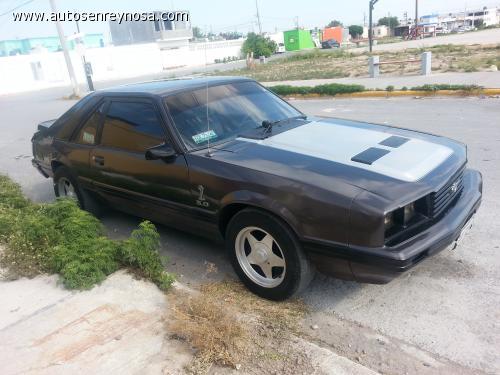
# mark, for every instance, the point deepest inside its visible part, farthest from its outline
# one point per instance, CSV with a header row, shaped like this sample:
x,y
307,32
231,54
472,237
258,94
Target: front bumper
x,y
381,265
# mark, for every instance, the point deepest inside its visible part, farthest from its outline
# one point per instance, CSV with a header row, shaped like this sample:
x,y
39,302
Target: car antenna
x,y
209,152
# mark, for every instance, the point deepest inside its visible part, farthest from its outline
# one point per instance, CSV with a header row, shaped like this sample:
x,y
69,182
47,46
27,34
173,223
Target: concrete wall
x,y
48,69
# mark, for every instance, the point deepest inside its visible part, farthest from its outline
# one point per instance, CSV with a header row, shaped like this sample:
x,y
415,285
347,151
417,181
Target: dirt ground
x,y
287,338
320,64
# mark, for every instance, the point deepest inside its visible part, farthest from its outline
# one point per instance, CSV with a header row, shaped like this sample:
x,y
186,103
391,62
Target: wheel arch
x,y
238,201
55,164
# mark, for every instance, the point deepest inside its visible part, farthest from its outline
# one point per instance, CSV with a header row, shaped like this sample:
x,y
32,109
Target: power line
x,y
16,8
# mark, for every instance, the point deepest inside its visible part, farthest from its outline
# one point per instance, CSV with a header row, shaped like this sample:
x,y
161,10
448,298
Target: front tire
x,y
266,255
66,186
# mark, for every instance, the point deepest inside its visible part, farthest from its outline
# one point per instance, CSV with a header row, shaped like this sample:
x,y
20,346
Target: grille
x,y
448,194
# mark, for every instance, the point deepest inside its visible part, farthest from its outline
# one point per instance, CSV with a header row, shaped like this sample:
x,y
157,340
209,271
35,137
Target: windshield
x,y
232,109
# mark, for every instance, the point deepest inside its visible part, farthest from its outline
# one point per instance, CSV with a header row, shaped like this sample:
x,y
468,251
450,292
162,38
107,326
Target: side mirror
x,y
162,151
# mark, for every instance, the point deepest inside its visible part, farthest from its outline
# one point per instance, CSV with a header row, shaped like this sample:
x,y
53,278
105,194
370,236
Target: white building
x,y
279,39
489,16
467,18
381,31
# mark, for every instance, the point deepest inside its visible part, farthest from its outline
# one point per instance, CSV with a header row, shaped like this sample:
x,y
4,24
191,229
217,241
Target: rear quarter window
x,y
65,125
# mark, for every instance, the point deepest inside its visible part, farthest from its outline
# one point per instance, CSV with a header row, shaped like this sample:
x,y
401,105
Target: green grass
x,y
331,89
61,238
438,87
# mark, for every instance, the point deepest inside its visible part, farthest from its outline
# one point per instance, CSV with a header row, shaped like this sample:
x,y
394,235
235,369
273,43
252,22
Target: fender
x,y
263,202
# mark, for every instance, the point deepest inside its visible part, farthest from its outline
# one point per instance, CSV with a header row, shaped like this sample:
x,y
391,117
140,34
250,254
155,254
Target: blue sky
x,y
230,15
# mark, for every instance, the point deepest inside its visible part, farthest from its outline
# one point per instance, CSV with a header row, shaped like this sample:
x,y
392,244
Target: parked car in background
x,y
228,159
280,48
463,29
442,30
328,44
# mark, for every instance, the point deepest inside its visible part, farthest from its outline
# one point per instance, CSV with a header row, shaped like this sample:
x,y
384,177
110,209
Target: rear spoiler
x,y
46,124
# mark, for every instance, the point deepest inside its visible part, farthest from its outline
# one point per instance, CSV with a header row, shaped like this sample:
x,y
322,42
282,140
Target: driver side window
x,y
132,126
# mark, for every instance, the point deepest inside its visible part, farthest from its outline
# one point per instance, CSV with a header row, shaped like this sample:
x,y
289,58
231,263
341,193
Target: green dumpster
x,y
298,39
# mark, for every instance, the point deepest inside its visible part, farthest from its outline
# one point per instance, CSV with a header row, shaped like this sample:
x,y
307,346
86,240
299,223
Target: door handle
x,y
98,160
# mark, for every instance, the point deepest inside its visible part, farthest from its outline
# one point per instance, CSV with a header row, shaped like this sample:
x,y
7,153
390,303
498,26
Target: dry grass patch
x,y
229,326
319,64
214,330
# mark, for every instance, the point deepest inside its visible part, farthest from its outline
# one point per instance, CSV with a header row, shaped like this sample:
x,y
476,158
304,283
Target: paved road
x,y
447,306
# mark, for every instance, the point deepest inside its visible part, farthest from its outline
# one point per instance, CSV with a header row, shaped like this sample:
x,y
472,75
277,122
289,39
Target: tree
x,y
259,45
197,33
355,31
390,22
335,23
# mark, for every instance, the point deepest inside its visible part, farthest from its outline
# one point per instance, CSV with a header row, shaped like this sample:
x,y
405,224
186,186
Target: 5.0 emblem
x,y
201,201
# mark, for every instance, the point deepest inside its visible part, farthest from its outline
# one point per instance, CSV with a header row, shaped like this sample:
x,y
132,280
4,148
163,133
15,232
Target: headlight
x,y
389,220
409,213
399,219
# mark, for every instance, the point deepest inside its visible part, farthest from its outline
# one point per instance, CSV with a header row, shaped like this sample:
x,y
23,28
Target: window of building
x,y
157,25
168,25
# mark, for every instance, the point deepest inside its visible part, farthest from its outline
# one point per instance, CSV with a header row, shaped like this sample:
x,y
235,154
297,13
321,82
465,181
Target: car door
x,y
122,174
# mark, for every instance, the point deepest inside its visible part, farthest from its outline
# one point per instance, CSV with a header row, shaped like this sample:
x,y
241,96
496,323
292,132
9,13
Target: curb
x,y
400,93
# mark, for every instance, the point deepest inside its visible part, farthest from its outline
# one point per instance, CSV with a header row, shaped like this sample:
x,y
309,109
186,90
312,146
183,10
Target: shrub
x,y
61,238
140,252
389,88
328,89
437,87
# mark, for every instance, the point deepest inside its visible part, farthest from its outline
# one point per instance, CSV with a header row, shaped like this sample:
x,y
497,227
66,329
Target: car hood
x,y
403,158
381,159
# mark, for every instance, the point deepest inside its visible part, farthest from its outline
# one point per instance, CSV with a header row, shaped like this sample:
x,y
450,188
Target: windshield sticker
x,y
203,137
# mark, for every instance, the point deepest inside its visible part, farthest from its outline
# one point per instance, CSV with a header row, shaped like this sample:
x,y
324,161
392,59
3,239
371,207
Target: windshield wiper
x,y
268,125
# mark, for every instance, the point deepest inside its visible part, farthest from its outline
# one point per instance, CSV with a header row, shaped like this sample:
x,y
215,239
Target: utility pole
x,y
258,17
67,58
370,29
417,34
86,66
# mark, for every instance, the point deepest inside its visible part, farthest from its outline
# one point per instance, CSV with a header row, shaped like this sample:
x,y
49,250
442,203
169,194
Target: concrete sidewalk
x,y
116,327
485,79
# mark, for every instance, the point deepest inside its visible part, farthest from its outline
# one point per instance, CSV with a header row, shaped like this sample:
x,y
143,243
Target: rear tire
x,y
66,185
266,255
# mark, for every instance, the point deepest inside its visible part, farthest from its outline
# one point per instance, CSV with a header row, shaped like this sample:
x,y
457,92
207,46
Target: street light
x,y
370,31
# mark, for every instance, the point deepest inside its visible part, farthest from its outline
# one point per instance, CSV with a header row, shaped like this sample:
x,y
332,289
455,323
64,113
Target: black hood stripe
x,y
394,141
370,155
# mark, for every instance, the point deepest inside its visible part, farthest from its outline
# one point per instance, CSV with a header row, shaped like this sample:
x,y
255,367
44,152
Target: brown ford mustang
x,y
226,158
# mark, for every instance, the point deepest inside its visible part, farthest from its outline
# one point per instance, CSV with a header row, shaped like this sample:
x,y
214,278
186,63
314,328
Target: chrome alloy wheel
x,y
66,188
260,257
